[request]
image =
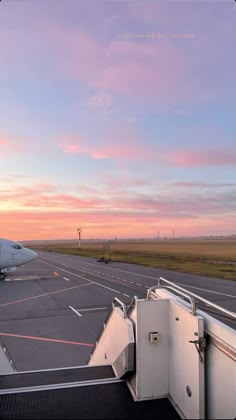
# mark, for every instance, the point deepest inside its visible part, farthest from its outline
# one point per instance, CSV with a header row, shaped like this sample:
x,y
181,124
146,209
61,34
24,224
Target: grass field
x,y
215,258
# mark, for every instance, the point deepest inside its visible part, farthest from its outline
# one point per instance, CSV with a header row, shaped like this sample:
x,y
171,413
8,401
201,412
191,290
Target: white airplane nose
x,y
32,254
25,255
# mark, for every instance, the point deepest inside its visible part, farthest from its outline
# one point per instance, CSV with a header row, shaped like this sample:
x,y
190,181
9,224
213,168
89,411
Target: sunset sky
x,y
118,117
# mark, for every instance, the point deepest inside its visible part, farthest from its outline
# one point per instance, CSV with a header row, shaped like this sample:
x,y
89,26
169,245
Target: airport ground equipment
x,y
160,357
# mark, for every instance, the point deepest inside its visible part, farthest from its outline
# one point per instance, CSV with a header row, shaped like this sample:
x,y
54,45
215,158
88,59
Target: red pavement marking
x,y
45,294
46,339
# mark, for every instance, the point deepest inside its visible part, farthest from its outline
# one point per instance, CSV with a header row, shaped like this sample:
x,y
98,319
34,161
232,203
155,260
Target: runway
x,y
52,310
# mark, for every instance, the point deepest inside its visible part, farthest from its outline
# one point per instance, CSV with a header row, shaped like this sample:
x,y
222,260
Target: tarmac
x,y
53,308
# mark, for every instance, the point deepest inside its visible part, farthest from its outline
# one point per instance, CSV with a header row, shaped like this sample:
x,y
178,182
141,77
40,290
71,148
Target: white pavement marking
x,y
44,294
26,278
180,284
30,269
73,309
207,290
65,278
76,275
92,309
66,271
156,278
126,295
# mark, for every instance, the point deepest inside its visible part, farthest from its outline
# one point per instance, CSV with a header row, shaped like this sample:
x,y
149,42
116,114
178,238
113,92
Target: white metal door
x,y
186,361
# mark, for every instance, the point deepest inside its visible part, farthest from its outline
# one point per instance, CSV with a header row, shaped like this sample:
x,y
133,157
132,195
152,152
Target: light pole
x,y
79,230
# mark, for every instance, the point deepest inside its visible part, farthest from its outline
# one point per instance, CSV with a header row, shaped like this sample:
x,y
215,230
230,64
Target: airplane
x,y
13,254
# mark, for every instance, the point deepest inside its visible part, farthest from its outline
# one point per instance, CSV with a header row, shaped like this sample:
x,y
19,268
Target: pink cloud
x,y
12,145
45,195
193,158
119,67
127,180
103,225
16,145
156,71
117,197
200,185
123,144
112,209
143,70
118,143
138,69
74,144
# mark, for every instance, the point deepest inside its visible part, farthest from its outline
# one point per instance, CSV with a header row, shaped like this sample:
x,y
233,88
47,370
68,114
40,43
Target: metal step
x,y
103,401
54,377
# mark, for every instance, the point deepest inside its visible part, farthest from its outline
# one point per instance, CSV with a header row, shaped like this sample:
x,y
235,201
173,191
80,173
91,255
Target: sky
x,y
117,117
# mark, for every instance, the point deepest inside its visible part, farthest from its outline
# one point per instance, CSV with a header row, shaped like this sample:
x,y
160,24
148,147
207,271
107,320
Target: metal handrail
x,y
159,286
131,305
208,302
106,321
121,304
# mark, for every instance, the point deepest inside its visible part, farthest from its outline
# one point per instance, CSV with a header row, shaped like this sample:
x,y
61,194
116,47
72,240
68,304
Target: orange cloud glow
x,y
57,225
48,213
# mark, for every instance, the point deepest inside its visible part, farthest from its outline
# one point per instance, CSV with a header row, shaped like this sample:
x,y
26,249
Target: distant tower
x,y
79,230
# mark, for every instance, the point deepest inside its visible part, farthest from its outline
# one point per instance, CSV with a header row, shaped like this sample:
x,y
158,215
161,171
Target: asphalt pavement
x,y
52,309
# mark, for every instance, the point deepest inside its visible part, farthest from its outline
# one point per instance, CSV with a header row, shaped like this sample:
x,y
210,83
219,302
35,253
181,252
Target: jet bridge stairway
x,y
181,352
160,357
76,393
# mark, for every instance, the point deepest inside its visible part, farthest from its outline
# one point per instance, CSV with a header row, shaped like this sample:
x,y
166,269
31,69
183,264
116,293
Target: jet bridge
x,y
160,357
181,353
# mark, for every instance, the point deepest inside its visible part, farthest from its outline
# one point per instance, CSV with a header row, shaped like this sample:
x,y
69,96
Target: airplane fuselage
x,y
13,254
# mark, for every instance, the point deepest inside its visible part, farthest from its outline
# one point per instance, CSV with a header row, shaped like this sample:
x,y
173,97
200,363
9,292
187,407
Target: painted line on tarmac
x,y
77,275
207,290
22,268
65,278
74,310
44,294
150,277
91,272
180,284
155,278
52,340
93,309
27,278
105,287
62,269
